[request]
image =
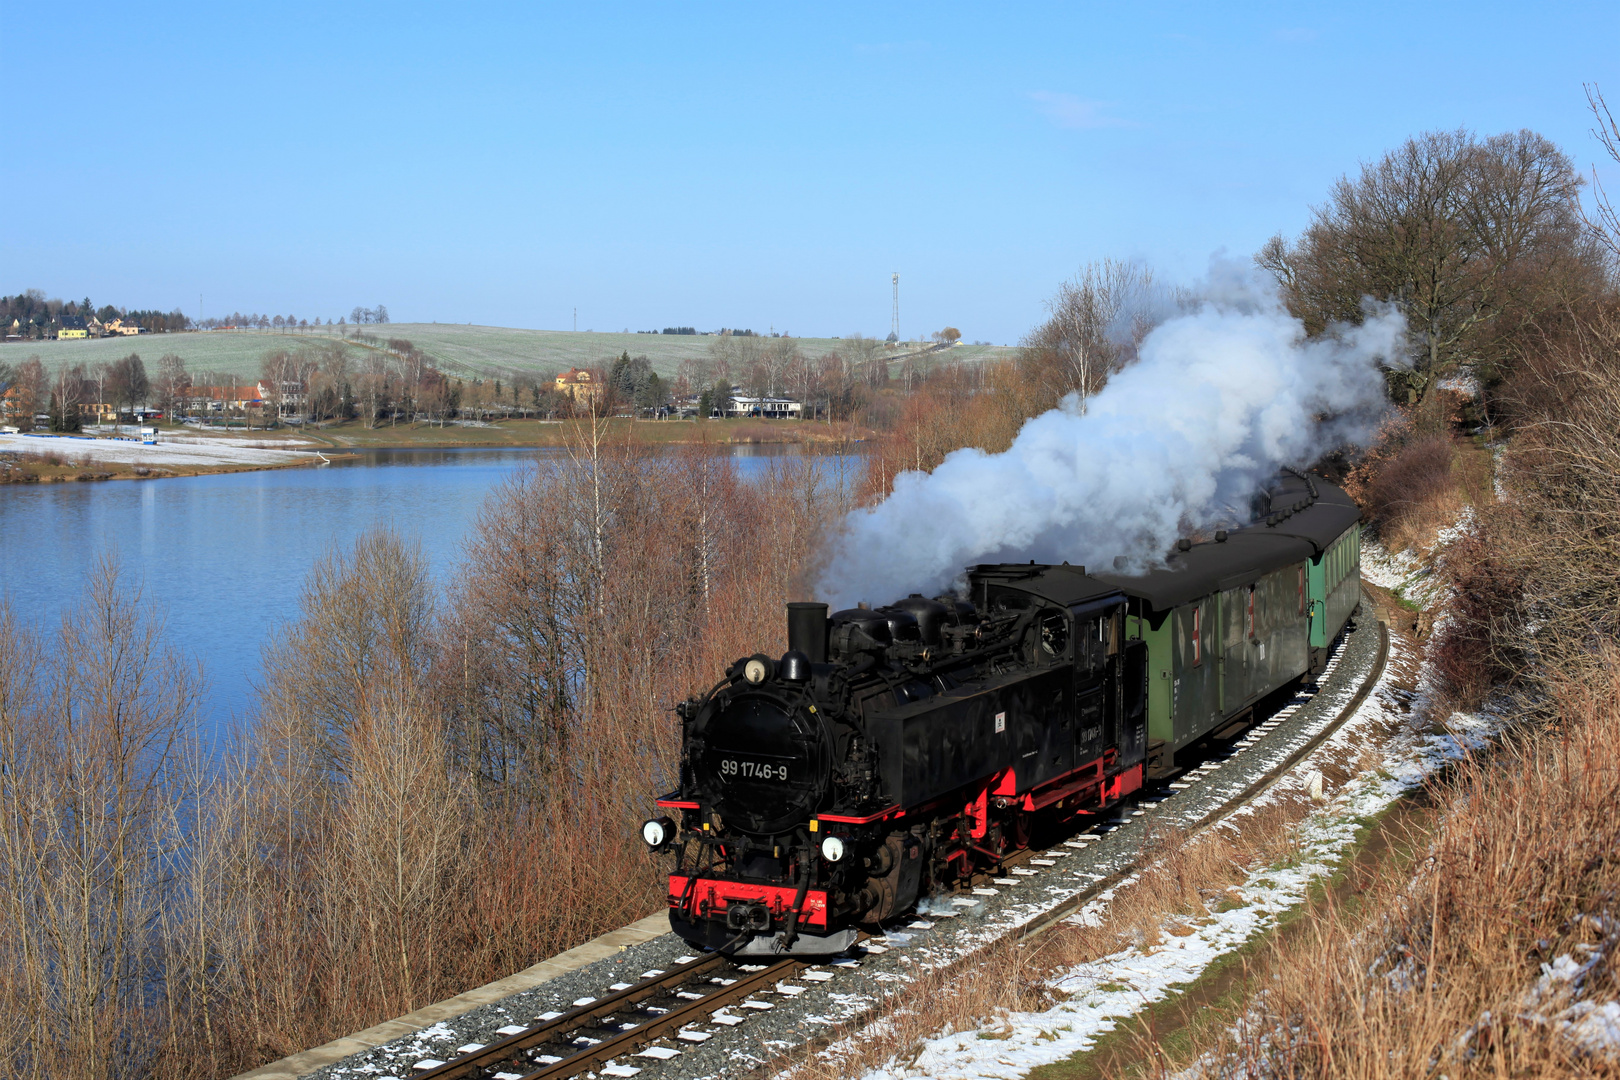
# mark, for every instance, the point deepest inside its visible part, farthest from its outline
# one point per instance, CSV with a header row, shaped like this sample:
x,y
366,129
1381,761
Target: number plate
x,y
752,770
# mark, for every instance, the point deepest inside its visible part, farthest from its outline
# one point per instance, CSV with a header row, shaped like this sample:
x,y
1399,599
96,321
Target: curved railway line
x,y
638,1026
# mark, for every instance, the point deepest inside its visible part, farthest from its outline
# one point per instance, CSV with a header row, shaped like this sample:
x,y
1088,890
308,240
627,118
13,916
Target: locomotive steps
x,y
635,997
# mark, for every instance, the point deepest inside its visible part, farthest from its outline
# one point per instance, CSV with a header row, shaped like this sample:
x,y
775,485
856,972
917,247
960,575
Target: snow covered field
x,y
191,452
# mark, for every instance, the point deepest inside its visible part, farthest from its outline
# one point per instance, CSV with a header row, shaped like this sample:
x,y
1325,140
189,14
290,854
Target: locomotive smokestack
x,y
807,630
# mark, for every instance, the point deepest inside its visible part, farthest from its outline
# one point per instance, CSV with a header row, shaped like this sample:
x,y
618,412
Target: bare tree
x,y
375,386
1607,133
98,374
127,384
84,806
67,391
777,359
864,359
695,374
1447,227
173,384
1091,329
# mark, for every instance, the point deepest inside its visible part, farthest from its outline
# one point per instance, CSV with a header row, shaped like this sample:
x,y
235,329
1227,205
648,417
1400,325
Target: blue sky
x,y
722,165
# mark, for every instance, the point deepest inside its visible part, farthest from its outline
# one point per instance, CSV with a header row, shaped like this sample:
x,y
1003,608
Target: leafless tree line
x,y
835,385
436,787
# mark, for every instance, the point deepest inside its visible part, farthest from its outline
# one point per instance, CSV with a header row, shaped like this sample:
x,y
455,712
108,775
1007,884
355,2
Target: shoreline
x,y
351,436
49,458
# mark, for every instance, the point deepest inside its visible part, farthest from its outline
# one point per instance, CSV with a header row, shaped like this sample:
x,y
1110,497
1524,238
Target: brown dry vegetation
x,y
436,789
1421,472
1438,972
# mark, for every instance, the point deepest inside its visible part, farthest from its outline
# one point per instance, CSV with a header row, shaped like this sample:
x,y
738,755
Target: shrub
x,y
1414,476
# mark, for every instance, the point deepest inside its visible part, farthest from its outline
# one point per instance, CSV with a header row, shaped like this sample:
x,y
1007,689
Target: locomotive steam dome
x,y
763,762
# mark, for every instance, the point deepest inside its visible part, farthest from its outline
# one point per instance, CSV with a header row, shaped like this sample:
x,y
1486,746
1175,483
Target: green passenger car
x,y
1236,618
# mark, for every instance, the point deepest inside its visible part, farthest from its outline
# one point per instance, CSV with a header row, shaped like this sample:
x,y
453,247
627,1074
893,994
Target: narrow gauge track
x,y
595,1032
598,1035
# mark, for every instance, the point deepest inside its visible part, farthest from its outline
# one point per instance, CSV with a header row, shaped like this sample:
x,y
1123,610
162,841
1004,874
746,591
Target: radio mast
x,y
894,322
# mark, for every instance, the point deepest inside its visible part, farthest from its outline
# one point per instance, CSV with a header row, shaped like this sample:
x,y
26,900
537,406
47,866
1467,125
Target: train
x,y
894,752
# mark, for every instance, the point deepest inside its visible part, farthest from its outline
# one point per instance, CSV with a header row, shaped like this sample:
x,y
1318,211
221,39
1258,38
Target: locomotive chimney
x,y
807,630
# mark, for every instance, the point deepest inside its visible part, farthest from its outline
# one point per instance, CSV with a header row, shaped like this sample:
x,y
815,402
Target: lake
x,y
224,557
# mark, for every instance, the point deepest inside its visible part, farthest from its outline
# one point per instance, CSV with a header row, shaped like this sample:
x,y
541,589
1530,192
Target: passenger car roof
x,y
1299,517
1281,537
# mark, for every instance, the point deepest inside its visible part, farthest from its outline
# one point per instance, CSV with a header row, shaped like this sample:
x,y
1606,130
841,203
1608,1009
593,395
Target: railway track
x,y
596,1032
700,997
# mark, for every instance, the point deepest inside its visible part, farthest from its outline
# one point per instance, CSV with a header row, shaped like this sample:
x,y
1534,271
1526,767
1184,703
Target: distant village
x,y
71,327
71,402
377,379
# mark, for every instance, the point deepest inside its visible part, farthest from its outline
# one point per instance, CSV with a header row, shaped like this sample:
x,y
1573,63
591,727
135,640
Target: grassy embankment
x,y
1420,488
1471,931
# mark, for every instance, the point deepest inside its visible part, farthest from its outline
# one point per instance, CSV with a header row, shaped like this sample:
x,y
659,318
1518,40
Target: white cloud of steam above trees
x,y
1224,394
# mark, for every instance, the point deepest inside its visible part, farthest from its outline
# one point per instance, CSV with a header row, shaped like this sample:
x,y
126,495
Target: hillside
x,y
460,349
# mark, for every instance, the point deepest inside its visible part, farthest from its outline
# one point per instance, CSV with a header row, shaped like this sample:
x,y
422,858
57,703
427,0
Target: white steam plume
x,y
1221,398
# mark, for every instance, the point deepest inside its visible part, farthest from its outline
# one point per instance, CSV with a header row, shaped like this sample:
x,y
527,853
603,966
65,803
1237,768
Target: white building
x,y
770,408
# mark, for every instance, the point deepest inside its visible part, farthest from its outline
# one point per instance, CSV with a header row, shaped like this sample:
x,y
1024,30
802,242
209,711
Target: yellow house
x,y
579,385
73,326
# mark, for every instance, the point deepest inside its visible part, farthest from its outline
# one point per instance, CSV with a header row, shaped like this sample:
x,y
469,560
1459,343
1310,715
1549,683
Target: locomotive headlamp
x,y
657,832
755,671
832,848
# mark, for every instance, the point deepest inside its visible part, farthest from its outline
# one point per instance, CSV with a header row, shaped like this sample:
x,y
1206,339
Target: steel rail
x,y
668,1024
497,1053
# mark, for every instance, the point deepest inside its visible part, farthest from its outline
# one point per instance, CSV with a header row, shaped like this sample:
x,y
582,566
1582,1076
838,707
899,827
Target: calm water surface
x,y
224,557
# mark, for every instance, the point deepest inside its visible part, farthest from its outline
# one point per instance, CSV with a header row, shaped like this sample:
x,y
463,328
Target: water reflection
x,y
226,556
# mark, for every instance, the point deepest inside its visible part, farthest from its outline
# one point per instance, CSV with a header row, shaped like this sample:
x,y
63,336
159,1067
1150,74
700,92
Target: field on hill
x,y
465,351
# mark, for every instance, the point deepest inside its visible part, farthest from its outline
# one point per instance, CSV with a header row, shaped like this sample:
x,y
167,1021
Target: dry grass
x,y
1412,486
1005,977
1437,972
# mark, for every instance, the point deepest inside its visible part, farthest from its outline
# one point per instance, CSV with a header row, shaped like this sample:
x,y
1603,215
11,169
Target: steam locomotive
x,y
892,753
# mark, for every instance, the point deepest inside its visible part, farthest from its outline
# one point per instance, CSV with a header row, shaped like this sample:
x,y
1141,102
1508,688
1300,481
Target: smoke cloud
x,y
1223,395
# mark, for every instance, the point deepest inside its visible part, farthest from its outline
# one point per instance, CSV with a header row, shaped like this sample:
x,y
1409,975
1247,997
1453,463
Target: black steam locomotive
x,y
891,753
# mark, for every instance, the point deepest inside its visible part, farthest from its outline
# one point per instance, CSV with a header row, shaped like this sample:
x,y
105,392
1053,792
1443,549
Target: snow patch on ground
x,y
1465,382
166,452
